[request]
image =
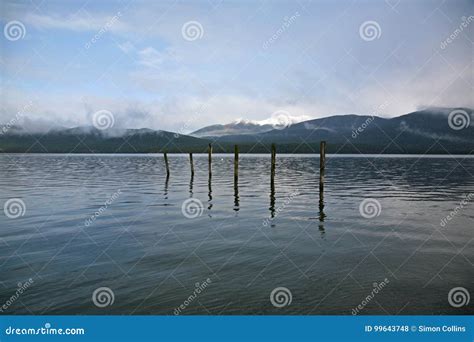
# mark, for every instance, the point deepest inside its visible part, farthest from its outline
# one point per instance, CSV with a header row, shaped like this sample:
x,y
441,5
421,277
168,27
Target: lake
x,y
108,234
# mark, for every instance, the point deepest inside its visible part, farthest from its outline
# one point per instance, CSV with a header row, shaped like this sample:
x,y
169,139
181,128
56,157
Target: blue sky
x,y
249,59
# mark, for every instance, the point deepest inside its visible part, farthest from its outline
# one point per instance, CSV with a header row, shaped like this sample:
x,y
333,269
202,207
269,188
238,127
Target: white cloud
x,y
166,79
149,57
78,22
127,47
167,114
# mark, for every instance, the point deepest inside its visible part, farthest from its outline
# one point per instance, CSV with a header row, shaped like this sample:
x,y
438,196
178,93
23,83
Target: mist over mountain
x,y
422,131
432,131
93,140
237,127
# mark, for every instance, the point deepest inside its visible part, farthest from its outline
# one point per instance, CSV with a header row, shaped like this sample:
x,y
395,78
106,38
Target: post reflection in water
x,y
272,198
236,194
165,193
321,213
321,216
235,246
191,181
209,193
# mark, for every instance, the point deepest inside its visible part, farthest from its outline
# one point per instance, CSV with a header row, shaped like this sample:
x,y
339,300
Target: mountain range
x,y
238,127
432,131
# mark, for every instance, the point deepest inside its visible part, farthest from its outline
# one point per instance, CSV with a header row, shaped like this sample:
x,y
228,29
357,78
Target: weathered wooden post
x,y
236,178
273,162
209,182
322,166
192,164
209,153
166,163
272,181
236,163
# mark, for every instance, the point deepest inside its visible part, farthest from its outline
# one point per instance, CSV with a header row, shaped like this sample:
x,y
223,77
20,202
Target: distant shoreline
x,y
204,154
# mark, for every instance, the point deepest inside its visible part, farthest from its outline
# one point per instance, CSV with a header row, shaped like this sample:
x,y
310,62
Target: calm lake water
x,y
92,221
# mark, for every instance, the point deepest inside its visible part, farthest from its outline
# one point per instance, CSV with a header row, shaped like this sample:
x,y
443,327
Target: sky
x,y
183,65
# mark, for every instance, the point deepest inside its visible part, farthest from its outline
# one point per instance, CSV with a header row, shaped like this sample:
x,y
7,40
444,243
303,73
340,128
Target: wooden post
x,y
192,164
273,162
236,163
236,178
322,155
166,163
322,166
209,152
272,182
209,183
